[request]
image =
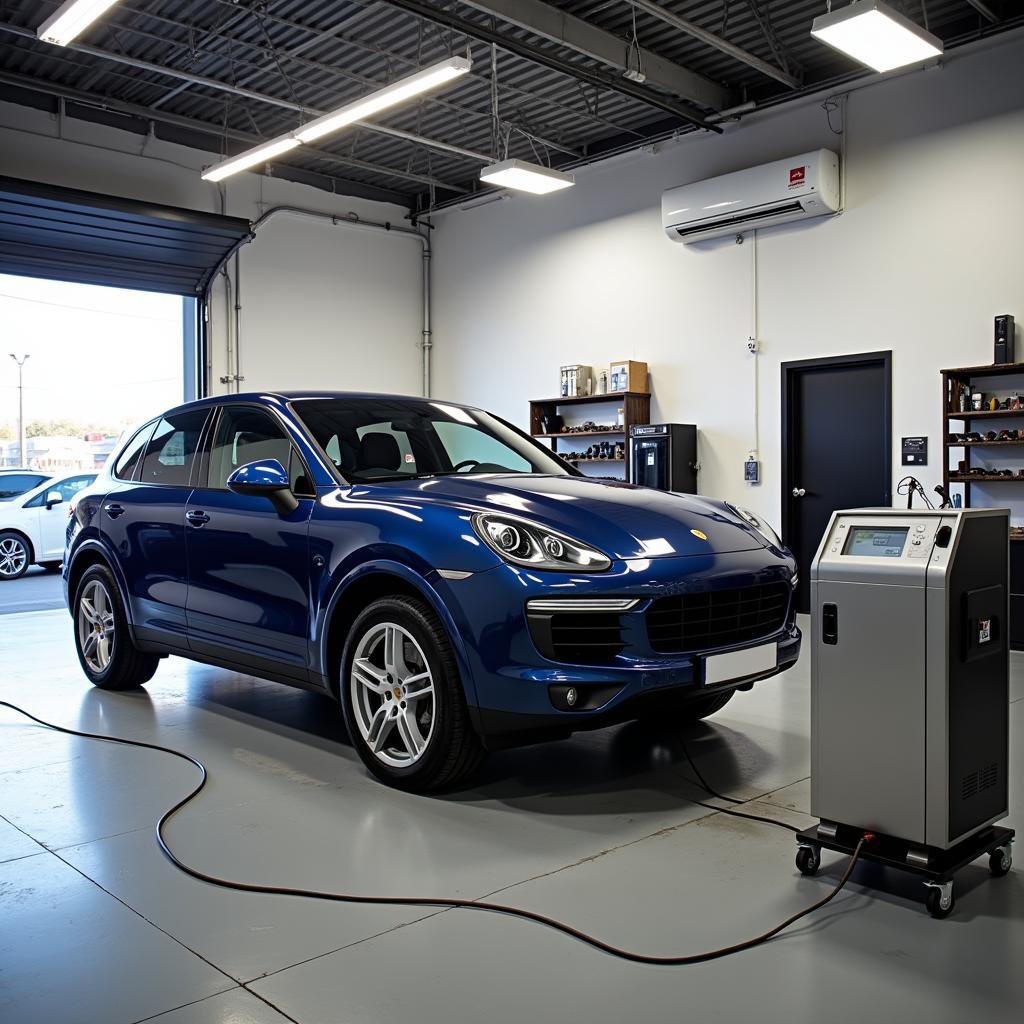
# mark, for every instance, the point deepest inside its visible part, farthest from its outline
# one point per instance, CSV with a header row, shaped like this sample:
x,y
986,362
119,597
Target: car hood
x,y
623,520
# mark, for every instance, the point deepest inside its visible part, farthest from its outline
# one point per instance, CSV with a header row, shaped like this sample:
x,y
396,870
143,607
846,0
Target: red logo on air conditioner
x,y
797,176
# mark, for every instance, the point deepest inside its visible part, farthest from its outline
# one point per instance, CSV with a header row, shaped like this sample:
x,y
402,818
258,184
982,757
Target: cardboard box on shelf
x,y
627,375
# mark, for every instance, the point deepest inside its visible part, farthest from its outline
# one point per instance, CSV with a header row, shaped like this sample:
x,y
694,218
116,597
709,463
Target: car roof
x,y
24,472
281,397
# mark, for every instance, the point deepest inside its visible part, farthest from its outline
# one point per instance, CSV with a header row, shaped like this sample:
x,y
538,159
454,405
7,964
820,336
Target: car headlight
x,y
760,525
525,543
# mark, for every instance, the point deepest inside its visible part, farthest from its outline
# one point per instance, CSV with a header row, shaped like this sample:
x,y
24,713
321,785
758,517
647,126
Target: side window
x,y
124,468
169,455
252,435
69,488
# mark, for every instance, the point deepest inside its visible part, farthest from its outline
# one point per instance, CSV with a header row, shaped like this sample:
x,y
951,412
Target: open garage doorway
x,y
102,307
86,364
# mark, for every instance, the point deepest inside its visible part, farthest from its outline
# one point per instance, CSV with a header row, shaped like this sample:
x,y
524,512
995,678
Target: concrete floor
x,y
97,927
39,589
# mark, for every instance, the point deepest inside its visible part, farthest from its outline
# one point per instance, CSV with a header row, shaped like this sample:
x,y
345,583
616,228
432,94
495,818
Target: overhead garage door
x,y
67,235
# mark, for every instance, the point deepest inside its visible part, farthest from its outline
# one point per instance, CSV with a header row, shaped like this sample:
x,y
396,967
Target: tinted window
x,y
247,435
129,458
382,439
13,484
67,489
172,448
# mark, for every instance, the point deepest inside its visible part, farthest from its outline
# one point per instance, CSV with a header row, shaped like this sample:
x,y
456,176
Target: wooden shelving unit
x,y
601,409
1001,379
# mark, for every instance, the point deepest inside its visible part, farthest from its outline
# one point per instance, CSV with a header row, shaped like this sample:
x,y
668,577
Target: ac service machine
x,y
909,692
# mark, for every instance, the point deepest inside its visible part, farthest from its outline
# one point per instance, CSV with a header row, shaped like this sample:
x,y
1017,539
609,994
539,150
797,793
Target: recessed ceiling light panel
x,y
526,177
871,32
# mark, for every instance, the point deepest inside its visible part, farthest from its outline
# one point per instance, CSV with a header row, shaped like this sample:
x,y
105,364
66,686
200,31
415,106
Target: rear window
x,y
13,484
172,448
128,460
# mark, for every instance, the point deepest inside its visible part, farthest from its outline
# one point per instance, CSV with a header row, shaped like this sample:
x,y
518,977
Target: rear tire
x,y
403,699
15,555
105,649
682,711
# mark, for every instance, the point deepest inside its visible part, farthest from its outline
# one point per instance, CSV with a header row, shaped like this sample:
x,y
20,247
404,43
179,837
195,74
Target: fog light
x,y
571,696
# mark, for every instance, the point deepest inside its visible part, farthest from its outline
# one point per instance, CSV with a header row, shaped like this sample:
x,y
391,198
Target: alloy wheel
x,y
13,556
96,626
392,692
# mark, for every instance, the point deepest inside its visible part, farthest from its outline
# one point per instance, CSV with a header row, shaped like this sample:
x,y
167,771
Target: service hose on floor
x,y
460,904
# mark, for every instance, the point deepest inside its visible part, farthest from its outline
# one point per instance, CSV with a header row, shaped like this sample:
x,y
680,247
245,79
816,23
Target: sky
x,y
103,356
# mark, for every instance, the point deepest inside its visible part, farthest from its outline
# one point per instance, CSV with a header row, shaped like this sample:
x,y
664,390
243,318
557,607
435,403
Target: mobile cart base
x,y
937,867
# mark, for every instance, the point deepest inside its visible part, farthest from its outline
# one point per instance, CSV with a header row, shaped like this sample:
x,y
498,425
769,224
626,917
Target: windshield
x,y
395,439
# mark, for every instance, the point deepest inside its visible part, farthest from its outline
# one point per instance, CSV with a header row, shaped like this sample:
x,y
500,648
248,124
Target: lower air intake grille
x,y
717,618
579,638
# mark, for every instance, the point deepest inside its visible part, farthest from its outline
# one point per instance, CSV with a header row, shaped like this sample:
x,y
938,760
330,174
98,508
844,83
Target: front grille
x,y
580,638
716,618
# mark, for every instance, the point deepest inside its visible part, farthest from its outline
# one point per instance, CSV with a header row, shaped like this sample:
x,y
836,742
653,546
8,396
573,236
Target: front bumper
x,y
514,691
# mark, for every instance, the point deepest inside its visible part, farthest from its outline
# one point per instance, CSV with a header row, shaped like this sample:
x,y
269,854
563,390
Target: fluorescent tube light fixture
x,y
71,19
250,158
390,96
358,110
526,177
871,32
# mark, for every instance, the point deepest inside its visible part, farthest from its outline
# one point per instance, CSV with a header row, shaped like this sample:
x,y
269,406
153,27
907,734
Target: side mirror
x,y
54,498
265,479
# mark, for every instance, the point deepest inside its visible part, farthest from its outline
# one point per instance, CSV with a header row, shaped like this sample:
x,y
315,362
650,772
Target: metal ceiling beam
x,y
215,131
602,79
716,42
293,54
399,58
984,10
237,90
577,34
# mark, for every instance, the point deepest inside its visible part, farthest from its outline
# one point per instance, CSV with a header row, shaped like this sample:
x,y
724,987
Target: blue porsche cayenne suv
x,y
454,585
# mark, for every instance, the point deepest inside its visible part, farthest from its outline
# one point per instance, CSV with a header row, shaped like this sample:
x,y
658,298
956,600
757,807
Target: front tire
x,y
105,650
403,700
15,555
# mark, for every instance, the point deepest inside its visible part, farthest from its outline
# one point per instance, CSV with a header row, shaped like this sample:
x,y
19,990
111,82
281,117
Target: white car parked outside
x,y
33,525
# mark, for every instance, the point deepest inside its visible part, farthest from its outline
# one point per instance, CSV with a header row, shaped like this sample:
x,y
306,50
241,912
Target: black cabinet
x,y
1017,594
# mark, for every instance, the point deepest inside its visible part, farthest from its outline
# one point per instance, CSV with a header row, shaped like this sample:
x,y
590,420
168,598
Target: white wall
x,y
322,306
929,249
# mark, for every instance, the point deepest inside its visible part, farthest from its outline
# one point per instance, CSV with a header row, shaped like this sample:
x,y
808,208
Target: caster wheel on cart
x,y
807,860
939,904
1000,861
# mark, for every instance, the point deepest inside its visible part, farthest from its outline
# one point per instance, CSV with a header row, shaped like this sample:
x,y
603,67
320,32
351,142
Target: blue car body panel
x,y
256,588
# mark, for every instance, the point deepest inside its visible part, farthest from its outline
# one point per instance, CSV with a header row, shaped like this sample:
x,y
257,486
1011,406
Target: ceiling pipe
x,y
984,10
354,220
717,42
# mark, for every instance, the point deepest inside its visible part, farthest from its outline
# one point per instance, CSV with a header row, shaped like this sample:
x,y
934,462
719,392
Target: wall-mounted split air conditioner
x,y
776,193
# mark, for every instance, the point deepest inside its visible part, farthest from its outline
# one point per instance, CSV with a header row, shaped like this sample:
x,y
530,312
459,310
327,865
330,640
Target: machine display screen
x,y
876,541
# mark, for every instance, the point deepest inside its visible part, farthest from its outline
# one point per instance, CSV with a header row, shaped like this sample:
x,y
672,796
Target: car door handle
x,y
196,517
114,510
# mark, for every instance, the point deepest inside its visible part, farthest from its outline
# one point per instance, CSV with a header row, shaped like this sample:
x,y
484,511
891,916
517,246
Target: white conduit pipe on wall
x,y
351,220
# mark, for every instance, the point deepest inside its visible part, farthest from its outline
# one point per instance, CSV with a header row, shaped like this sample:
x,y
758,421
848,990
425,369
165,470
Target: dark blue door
x,y
249,565
143,519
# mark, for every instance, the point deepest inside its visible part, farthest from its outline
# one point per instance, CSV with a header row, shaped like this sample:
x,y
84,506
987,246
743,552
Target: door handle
x,y
798,492
196,517
114,510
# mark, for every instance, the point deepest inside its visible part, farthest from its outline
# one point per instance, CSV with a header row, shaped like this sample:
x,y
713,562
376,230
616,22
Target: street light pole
x,y
21,411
